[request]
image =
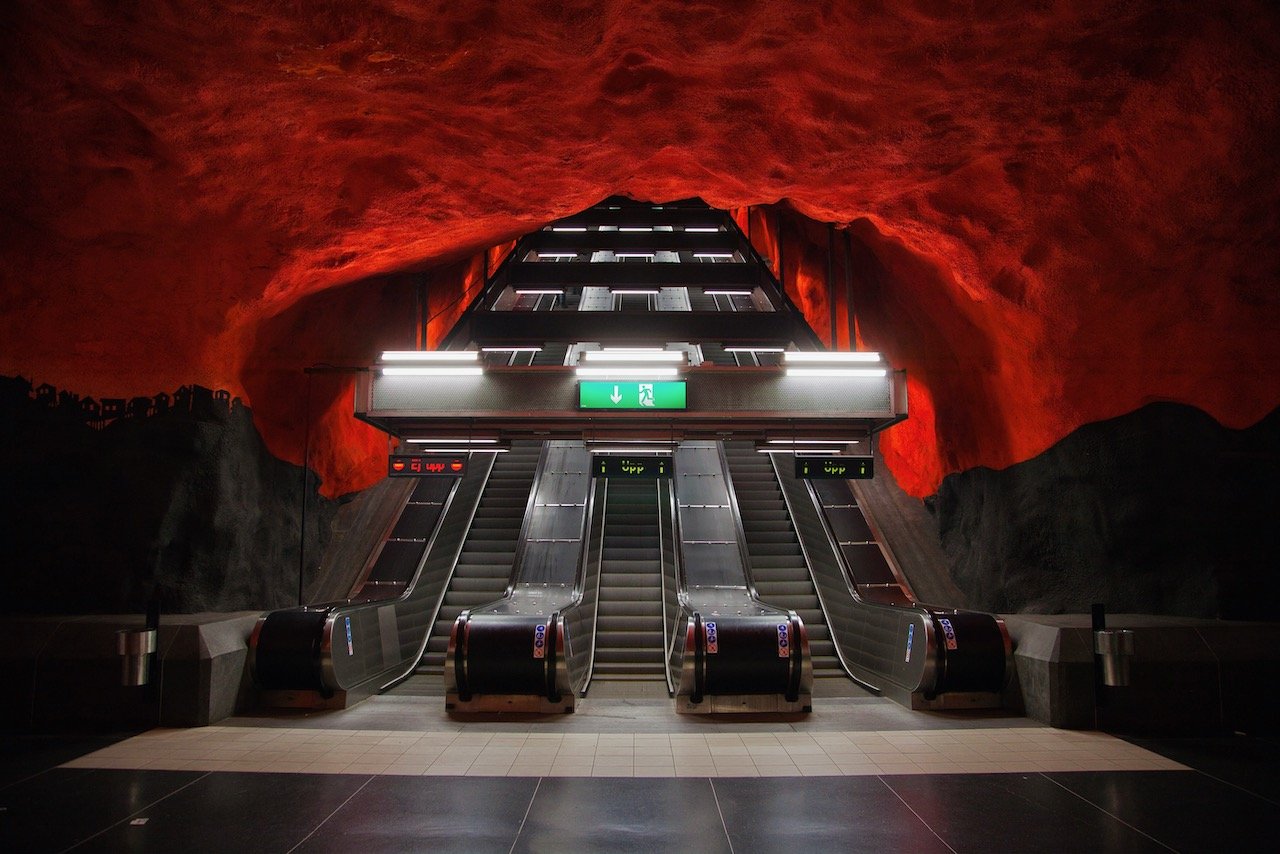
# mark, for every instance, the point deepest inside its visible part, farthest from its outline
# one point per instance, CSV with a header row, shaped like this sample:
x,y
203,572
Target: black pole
x,y
306,471
1099,613
851,319
831,283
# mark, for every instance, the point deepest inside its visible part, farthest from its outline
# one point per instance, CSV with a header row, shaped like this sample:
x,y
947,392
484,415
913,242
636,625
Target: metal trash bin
x,y
1115,646
135,647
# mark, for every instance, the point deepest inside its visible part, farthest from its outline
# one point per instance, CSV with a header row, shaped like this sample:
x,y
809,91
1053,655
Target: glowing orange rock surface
x,y
1064,211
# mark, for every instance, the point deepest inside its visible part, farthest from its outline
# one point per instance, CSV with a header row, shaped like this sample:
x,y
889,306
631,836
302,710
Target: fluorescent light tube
x,y
830,357
569,228
755,349
701,229
625,372
713,255
836,372
722,292
427,356
432,371
510,349
452,441
810,452
812,441
633,355
540,290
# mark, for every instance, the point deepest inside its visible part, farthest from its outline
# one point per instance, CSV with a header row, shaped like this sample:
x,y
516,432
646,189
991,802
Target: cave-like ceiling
x,y
1071,208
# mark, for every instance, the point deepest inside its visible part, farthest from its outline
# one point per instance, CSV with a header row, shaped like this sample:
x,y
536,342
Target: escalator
x,y
528,648
730,652
629,629
778,565
488,552
331,654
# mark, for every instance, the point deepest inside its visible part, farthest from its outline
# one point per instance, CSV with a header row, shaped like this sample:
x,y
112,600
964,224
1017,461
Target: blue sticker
x,y
351,650
911,633
949,633
713,643
784,640
539,641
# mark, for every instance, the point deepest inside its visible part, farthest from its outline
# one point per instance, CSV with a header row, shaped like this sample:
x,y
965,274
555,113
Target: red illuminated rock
x,y
1060,213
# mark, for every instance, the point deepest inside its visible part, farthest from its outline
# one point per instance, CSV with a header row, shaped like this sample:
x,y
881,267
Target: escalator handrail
x,y
410,589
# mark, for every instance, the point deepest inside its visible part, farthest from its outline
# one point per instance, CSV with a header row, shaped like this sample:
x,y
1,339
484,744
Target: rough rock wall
x,y
1068,210
185,503
1159,511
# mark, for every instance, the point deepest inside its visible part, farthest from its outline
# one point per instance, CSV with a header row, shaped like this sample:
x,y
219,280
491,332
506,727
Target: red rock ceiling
x,y
1065,211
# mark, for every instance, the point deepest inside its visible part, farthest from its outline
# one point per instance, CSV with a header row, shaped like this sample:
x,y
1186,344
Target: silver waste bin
x,y
135,647
1115,646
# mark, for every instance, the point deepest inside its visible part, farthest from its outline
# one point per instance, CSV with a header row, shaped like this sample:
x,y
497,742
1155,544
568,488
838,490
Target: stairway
x,y
777,563
488,553
629,642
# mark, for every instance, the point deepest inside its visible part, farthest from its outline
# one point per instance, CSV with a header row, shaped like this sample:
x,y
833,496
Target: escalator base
x,y
526,703
744,704
304,699
954,701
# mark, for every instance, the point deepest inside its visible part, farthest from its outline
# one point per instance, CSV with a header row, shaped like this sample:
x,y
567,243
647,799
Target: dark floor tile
x,y
243,813
820,814
1013,812
437,814
1185,810
23,755
1244,761
623,814
64,806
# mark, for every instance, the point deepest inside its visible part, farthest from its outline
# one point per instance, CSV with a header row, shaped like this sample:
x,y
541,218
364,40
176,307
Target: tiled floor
x,y
779,753
859,774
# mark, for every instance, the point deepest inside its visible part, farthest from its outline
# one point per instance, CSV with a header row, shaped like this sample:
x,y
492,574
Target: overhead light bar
x,y
633,255
635,228
626,373
459,441
828,358
724,292
461,450
568,228
807,452
557,255
553,291
633,355
636,292
632,449
431,371
429,356
813,441
530,349
701,229
713,255
836,372
754,349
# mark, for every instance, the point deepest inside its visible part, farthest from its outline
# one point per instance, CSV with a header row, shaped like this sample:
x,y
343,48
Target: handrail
x,y
426,555
736,513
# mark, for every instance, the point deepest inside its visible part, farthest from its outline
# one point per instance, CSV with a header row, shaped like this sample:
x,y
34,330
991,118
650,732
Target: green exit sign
x,y
612,395
834,468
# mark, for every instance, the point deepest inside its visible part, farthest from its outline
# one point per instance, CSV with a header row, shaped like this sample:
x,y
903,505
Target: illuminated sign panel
x,y
420,465
835,468
633,468
631,395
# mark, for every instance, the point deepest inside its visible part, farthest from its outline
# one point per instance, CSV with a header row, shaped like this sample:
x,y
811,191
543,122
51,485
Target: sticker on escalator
x,y
911,633
539,641
713,645
351,650
948,632
784,640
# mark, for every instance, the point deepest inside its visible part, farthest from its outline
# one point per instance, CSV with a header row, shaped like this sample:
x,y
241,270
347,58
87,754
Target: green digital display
x,y
605,394
835,468
633,468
